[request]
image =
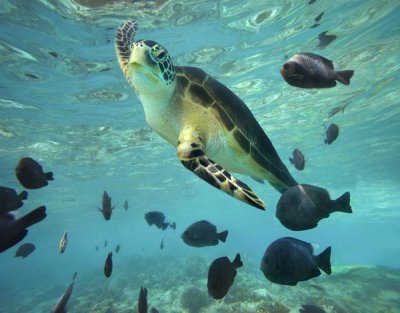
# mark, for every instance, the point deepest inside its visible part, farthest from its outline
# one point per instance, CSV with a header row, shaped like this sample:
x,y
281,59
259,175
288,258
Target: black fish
x,y
288,261
117,248
30,174
308,70
309,308
158,218
108,266
105,243
13,231
142,300
62,302
106,206
162,244
203,233
24,250
325,39
221,275
311,2
302,206
10,200
332,132
298,159
172,225
126,205
318,18
153,310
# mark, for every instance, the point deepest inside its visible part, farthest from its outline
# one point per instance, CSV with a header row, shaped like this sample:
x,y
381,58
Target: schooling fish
x,y
62,245
325,39
308,70
31,175
108,266
162,244
142,300
25,250
126,205
105,243
298,159
117,248
10,200
221,275
309,308
288,261
14,230
62,302
332,132
302,206
106,206
158,218
203,233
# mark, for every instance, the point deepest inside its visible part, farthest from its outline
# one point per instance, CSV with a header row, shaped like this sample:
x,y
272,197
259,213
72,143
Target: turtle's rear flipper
x,y
191,154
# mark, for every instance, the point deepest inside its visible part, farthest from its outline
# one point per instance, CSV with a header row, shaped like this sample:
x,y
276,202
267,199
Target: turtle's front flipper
x,y
191,153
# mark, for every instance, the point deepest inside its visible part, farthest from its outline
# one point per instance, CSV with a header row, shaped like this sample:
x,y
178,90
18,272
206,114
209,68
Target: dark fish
x,y
30,174
10,200
172,225
126,205
62,302
13,231
162,244
142,300
318,18
298,159
25,250
308,70
288,261
108,266
62,245
221,275
117,248
105,243
31,76
311,2
331,133
53,54
158,218
203,233
97,248
309,308
302,206
106,206
153,310
325,39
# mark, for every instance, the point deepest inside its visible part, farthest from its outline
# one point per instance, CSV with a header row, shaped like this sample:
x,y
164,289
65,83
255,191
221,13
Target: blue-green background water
x,y
80,119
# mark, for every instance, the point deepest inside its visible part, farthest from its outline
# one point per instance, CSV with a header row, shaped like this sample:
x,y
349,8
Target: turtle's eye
x,y
160,54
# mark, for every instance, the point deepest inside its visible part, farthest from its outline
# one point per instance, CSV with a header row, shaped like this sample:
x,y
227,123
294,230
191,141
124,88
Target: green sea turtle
x,y
213,129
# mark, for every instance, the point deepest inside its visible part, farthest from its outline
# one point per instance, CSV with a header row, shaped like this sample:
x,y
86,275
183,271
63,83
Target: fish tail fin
x,y
33,217
49,176
222,235
342,203
344,76
172,225
237,262
23,195
324,260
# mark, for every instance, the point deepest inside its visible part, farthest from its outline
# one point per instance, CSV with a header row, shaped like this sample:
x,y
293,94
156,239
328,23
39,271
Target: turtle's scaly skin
x,y
213,129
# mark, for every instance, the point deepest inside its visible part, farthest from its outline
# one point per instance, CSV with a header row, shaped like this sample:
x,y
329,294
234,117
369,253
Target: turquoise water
x,y
65,102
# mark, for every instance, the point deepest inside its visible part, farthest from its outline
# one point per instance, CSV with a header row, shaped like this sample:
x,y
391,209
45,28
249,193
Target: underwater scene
x,y
197,156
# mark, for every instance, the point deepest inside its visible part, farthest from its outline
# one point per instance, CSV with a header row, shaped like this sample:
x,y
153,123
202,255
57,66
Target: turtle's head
x,y
150,68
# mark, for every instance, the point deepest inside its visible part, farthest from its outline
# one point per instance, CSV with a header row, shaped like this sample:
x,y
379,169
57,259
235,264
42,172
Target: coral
x,y
194,299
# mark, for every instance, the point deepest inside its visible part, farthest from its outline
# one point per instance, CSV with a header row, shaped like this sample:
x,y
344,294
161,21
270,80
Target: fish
x,y
332,132
62,245
309,308
298,159
288,261
153,310
12,230
108,266
10,200
318,18
25,250
202,234
158,219
30,174
126,205
97,248
162,244
117,248
221,275
142,300
172,225
311,2
106,206
302,206
325,39
62,302
308,70
105,243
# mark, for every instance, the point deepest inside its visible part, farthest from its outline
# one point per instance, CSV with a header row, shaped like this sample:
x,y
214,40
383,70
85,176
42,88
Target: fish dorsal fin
x,y
124,38
325,61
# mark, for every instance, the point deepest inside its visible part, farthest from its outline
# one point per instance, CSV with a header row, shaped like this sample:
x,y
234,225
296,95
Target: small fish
x,y
288,261
302,206
158,219
162,244
62,302
221,275
14,230
106,206
172,225
108,266
126,205
318,18
203,233
117,248
298,159
97,248
153,310
53,54
10,200
308,70
309,308
311,2
325,39
62,245
105,243
332,132
142,300
30,174
25,250
337,109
